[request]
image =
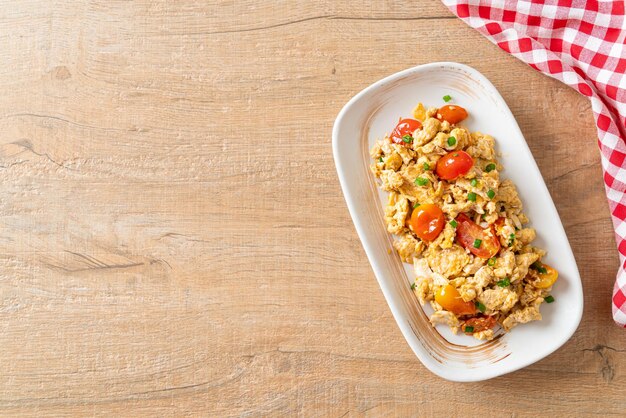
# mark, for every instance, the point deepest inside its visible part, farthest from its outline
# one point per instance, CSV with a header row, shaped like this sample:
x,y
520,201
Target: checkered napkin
x,y
582,44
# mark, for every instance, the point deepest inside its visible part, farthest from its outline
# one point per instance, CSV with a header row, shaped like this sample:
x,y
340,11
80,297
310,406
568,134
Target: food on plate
x,y
460,224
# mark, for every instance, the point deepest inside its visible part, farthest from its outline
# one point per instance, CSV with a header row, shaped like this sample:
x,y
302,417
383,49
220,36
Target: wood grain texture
x,y
174,239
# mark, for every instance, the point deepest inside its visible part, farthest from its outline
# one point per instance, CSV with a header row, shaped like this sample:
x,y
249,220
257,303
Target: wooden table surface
x,y
174,238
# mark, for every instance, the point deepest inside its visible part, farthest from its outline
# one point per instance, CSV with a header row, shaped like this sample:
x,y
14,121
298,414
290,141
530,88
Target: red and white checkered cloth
x,y
582,44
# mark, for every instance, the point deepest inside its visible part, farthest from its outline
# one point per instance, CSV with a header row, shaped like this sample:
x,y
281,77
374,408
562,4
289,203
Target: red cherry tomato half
x,y
454,164
427,221
480,323
481,242
404,127
451,113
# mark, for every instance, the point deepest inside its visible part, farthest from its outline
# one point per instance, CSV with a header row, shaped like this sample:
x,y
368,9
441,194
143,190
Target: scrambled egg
x,y
504,287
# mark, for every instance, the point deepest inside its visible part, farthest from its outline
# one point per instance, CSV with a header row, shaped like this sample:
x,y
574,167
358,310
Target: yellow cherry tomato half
x,y
546,276
450,299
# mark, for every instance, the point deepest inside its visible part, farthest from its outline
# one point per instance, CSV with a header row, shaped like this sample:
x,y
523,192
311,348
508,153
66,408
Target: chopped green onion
x,y
477,243
416,205
549,299
492,261
483,216
412,286
456,154
407,138
491,194
426,166
447,98
420,181
490,167
471,196
474,182
453,223
451,141
481,307
511,239
504,282
380,159
539,267
469,329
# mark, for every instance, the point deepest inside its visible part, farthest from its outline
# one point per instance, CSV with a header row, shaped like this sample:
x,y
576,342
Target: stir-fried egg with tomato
x,y
460,225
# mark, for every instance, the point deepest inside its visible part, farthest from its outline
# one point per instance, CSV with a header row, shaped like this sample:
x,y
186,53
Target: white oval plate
x,y
371,114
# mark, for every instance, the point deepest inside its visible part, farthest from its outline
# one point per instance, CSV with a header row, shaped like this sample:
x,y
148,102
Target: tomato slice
x,y
454,164
451,113
450,299
481,242
404,127
427,221
546,275
480,323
